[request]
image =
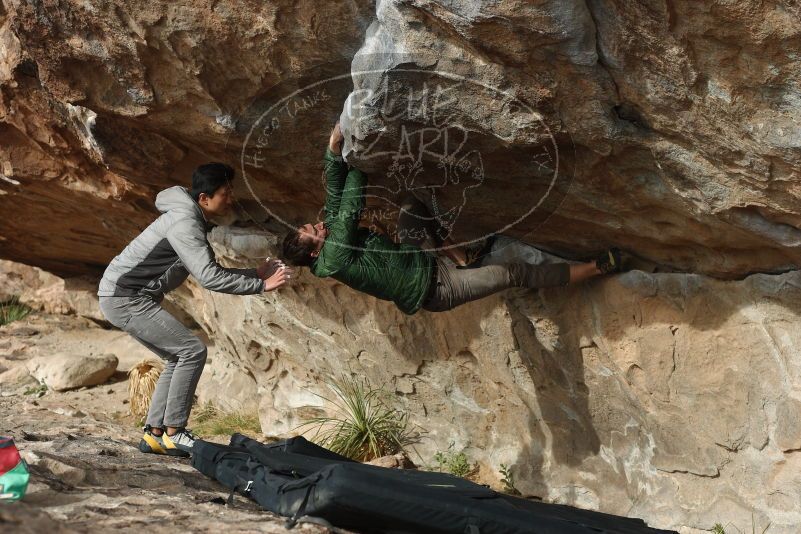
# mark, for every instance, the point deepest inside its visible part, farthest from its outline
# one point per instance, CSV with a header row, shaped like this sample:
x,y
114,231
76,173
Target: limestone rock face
x,y
44,291
671,129
103,104
674,125
668,396
671,397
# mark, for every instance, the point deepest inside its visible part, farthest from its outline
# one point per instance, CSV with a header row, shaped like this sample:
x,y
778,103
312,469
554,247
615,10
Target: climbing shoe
x,y
610,261
150,443
182,440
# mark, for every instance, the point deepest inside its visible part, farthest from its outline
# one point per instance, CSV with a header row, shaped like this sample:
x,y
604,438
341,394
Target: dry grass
x,y
209,420
142,380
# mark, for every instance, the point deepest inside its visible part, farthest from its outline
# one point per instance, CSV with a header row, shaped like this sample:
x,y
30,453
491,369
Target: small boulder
x,y
17,376
395,461
67,371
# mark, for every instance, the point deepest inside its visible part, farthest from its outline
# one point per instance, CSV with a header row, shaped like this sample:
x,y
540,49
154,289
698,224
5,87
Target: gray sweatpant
x,y
184,354
455,286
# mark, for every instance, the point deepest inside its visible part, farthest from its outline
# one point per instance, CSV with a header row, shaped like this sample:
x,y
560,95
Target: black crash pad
x,y
300,480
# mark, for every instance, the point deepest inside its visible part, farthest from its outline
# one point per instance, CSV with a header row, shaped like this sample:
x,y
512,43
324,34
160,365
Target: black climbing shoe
x,y
610,261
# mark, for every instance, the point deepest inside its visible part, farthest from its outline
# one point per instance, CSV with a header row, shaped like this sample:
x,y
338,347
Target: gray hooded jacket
x,y
170,249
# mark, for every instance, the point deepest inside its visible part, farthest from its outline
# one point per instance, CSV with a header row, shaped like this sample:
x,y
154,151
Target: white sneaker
x,y
183,440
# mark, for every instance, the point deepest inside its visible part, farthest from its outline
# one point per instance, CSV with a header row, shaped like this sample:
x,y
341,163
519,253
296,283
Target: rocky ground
x,y
80,445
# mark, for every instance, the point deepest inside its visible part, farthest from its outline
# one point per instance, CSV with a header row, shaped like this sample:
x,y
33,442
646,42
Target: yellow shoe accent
x,y
168,442
154,444
171,448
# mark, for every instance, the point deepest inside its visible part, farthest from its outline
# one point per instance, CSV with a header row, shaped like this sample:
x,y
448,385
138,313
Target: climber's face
x,y
314,234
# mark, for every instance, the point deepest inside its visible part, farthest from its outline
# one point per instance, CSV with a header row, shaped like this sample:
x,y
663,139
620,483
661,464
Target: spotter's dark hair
x,y
209,177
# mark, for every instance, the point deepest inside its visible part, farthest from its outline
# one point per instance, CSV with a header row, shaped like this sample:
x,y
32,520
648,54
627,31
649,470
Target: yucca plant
x,y
13,310
365,427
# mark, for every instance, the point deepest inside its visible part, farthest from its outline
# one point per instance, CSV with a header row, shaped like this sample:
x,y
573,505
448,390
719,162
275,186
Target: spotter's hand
x,y
278,278
268,268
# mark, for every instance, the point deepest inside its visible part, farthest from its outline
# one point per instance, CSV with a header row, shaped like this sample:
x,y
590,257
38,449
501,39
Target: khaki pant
x,y
456,286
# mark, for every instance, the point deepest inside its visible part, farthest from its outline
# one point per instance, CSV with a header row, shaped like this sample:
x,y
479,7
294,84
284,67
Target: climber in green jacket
x,y
403,272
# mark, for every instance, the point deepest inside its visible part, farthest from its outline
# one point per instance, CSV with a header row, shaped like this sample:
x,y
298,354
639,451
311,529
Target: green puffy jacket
x,y
368,262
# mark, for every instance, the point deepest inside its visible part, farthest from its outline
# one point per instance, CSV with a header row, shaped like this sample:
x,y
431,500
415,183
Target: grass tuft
x,y
720,529
365,427
12,310
37,391
205,412
454,463
210,420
